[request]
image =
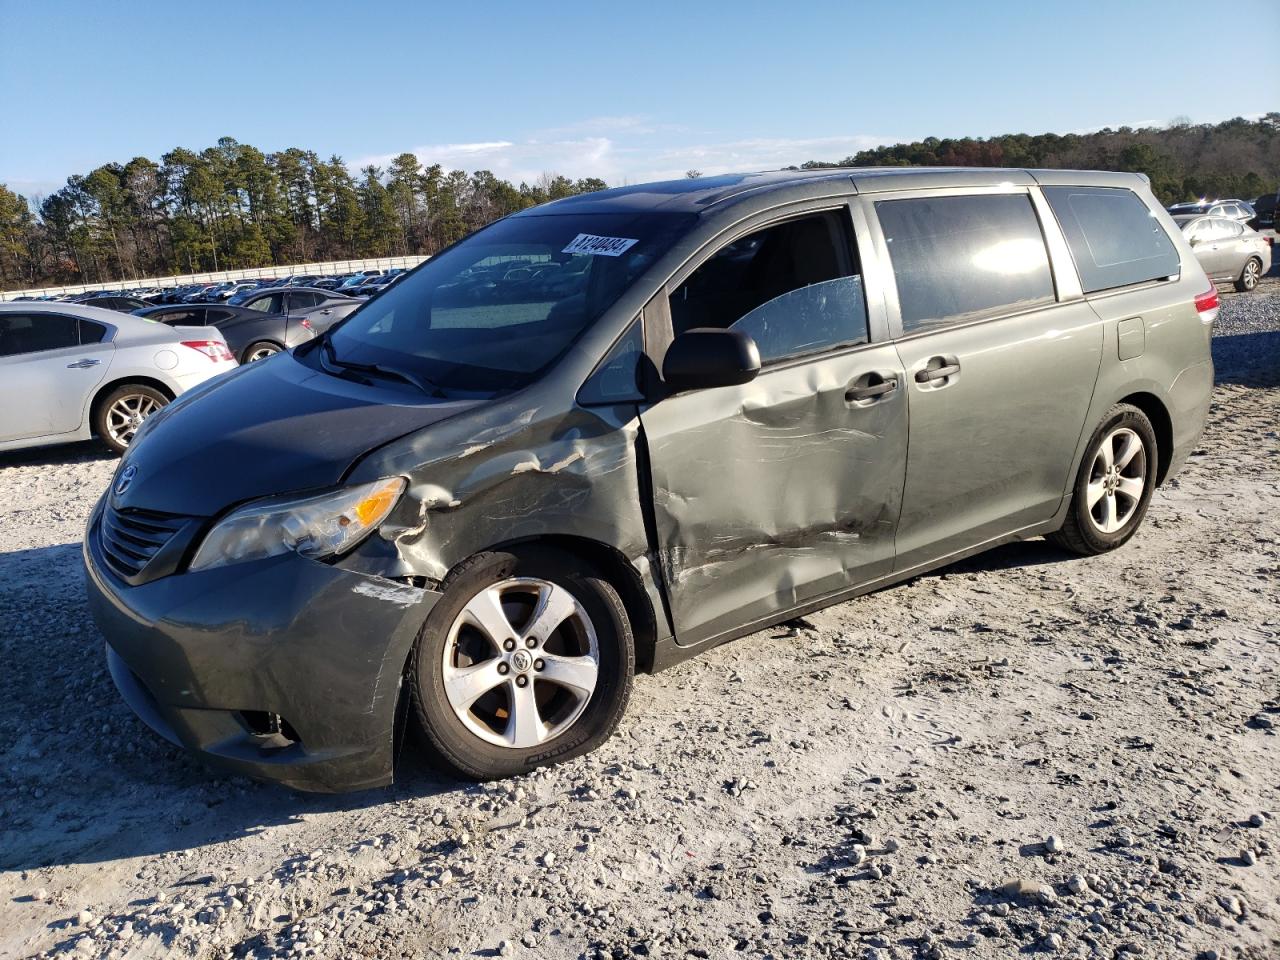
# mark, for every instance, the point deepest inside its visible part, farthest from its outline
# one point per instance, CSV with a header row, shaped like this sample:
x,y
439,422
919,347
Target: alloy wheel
x,y
1117,479
521,662
1251,274
263,352
125,416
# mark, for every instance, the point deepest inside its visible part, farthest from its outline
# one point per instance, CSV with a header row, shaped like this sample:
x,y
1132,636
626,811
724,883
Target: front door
x,y
787,489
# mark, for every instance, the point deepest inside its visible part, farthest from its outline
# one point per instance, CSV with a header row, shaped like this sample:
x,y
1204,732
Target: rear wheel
x,y
1250,275
260,350
120,413
527,660
1114,486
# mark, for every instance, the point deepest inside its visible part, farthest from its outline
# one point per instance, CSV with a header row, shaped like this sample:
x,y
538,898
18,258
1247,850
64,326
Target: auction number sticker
x,y
589,243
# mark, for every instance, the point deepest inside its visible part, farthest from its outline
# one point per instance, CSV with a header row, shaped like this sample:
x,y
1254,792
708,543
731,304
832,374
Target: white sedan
x,y
71,372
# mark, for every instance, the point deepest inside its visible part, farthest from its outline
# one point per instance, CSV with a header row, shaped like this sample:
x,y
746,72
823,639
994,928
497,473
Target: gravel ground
x,y
1022,754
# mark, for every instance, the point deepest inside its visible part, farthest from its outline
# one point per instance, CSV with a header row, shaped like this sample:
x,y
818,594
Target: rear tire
x,y
117,416
259,350
499,700
1117,477
1250,275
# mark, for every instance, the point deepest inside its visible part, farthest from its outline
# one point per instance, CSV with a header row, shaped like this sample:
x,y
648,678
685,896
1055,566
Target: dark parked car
x,y
375,284
763,394
250,334
120,304
321,308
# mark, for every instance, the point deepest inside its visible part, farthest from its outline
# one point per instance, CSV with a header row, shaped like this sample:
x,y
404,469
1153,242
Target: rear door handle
x,y
871,391
83,364
929,374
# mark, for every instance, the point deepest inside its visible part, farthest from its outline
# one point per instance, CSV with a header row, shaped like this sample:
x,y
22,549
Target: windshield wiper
x,y
394,373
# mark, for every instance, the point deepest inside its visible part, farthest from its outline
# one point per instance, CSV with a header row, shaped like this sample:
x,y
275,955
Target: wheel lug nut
x,y
531,642
539,664
522,681
503,669
508,644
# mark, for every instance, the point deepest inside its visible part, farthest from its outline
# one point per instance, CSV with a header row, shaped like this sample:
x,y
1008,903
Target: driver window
x,y
795,287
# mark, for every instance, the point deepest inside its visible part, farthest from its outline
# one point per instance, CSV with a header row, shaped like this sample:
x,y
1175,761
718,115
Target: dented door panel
x,y
775,492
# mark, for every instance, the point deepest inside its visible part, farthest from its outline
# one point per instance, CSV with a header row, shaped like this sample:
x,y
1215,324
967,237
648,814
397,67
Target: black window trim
x,y
985,316
763,220
108,337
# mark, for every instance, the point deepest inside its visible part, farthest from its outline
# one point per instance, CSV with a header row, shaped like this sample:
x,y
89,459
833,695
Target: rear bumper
x,y
202,657
191,378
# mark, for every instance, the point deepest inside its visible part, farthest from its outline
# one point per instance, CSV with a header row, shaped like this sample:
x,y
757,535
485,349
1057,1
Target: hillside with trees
x,y
232,206
1238,158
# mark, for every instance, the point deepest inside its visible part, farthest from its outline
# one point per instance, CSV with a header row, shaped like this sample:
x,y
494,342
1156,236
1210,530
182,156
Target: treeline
x,y
232,206
1238,158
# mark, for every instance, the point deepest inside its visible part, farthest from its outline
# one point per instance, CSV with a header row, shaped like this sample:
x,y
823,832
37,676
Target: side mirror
x,y
710,357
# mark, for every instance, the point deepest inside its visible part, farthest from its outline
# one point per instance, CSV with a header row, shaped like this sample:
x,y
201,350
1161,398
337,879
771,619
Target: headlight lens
x,y
315,527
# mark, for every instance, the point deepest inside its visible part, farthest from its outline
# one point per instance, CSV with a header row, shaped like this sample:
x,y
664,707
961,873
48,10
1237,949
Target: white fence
x,y
328,269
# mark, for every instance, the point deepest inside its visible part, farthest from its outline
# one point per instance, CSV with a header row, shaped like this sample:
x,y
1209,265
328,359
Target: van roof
x,y
696,195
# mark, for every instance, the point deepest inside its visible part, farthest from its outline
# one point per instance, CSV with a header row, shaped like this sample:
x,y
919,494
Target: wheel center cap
x,y
521,661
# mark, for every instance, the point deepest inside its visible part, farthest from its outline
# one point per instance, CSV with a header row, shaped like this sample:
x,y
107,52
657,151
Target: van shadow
x,y
1248,359
82,780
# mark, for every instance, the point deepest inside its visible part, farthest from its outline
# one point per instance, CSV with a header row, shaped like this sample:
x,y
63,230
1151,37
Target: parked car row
x,y
363,283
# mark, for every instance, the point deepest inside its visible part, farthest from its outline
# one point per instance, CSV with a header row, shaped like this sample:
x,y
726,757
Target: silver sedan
x,y
1228,250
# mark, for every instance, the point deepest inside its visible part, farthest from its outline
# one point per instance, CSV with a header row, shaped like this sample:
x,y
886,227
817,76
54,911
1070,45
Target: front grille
x,y
131,538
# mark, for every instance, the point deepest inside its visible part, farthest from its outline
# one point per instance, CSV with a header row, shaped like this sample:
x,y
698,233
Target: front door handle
x,y
871,391
83,364
870,386
939,368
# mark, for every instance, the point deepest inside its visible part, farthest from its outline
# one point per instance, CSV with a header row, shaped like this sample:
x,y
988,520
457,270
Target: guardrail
x,y
329,268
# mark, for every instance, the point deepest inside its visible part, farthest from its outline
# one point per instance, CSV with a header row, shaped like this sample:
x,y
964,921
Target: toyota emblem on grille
x,y
126,478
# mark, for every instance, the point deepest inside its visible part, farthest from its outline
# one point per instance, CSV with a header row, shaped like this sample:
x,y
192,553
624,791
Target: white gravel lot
x,y
1023,754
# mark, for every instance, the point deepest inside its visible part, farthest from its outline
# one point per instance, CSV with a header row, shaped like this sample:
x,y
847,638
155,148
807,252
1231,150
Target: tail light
x,y
215,350
1207,305
307,324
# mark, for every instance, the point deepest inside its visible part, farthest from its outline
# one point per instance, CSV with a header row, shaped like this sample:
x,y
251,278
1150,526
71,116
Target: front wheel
x,y
1114,486
1250,275
121,412
527,660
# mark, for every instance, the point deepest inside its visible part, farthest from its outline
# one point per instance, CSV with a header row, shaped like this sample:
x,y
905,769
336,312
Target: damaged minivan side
x,y
604,434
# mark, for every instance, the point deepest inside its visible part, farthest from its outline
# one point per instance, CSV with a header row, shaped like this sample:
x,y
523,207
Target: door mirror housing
x,y
707,357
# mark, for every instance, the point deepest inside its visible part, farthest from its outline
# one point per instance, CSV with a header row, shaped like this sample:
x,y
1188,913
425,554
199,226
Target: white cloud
x,y
628,150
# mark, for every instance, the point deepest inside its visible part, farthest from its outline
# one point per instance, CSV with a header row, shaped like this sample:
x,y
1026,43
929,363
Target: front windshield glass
x,y
490,314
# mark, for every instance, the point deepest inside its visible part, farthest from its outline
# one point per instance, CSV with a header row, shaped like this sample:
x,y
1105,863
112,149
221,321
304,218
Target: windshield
x,y
490,314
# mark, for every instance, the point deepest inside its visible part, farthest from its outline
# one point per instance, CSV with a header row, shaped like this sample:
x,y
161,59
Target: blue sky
x,y
627,92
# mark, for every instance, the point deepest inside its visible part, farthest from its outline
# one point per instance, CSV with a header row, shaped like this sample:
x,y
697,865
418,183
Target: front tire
x,y
526,661
1117,477
119,414
1250,275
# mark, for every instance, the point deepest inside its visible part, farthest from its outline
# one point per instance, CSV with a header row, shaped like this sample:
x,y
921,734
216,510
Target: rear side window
x,y
34,333
91,332
957,258
1114,239
794,287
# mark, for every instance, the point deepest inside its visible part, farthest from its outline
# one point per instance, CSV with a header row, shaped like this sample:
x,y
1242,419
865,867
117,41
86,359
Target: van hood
x,y
271,427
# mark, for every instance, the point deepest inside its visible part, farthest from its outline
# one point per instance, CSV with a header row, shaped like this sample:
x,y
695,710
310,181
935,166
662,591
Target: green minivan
x,y
602,435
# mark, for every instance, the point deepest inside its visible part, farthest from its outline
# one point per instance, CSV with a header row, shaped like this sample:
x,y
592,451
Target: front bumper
x,y
202,657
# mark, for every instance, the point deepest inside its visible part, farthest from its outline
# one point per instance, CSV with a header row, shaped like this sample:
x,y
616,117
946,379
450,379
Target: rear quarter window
x,y
1114,238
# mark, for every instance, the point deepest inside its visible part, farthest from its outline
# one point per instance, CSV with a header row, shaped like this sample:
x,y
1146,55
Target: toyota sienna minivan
x,y
605,434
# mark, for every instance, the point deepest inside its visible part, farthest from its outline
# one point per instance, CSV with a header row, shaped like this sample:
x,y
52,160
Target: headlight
x,y
315,527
